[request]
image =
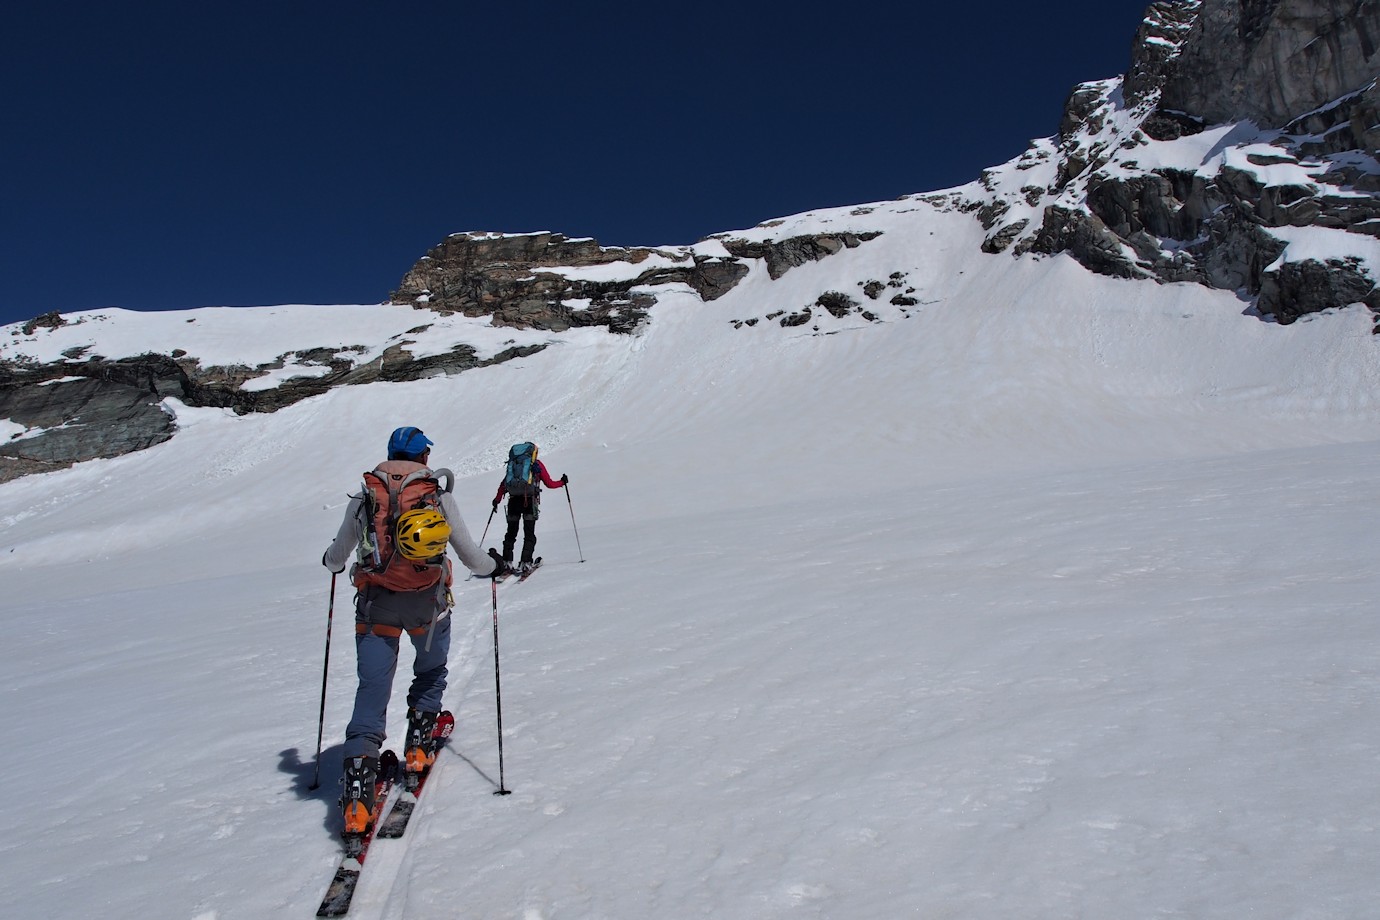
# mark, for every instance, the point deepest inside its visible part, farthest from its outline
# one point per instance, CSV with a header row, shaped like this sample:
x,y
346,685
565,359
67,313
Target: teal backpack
x,y
521,476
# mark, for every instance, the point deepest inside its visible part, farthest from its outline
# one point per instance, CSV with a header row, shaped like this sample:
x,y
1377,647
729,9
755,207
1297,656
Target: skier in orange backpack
x,y
399,525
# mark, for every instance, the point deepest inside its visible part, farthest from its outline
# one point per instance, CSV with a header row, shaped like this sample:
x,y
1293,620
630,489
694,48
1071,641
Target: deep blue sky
x,y
159,155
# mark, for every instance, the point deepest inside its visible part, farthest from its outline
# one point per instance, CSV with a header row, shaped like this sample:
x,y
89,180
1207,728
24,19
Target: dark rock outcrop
x,y
1161,35
1296,289
1088,238
1305,67
535,280
783,255
484,274
82,410
112,412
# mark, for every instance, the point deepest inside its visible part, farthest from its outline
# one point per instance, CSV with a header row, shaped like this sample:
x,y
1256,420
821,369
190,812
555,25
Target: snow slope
x,y
1049,596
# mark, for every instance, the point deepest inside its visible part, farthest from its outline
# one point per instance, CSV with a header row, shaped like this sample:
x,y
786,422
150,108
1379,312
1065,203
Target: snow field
x,y
1053,598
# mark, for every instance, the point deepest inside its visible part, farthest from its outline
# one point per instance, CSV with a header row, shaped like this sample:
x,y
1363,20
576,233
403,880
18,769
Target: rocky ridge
x,y
1279,98
544,280
87,405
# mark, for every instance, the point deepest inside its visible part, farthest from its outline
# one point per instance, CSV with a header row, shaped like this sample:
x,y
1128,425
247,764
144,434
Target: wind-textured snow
x,y
1051,596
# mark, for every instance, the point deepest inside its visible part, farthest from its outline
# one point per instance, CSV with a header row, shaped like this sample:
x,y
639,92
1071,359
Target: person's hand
x,y
501,566
328,565
565,480
495,505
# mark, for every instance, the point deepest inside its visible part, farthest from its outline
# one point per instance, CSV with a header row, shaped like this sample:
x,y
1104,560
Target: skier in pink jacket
x,y
522,482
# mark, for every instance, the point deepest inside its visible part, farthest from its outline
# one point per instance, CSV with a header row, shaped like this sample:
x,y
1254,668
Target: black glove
x,y
501,566
328,565
495,504
565,480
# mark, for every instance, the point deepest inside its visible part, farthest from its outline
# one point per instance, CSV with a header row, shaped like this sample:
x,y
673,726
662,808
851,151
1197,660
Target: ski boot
x,y
359,798
420,751
425,731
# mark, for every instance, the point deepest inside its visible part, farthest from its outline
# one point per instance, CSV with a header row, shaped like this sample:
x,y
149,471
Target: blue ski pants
x,y
377,662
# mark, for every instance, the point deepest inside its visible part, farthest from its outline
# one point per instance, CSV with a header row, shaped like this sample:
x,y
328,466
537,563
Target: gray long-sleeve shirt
x,y
352,527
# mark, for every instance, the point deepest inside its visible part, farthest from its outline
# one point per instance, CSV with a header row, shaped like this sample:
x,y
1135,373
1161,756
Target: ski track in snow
x,y
1051,598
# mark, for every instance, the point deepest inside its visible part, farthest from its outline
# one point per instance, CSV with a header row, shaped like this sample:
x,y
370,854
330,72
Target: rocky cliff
x,y
1267,61
1242,130
547,281
543,280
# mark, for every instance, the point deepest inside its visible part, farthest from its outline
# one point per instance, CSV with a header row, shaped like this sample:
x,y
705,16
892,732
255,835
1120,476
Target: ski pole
x,y
572,522
325,671
492,512
498,695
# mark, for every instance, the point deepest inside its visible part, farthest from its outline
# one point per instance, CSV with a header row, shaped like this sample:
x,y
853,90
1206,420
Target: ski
x,y
515,574
500,579
398,818
336,903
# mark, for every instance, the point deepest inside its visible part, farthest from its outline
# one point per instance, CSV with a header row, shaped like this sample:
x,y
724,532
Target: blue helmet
x,y
408,444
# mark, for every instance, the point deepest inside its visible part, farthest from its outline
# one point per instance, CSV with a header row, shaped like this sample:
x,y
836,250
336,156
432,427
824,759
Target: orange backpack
x,y
391,488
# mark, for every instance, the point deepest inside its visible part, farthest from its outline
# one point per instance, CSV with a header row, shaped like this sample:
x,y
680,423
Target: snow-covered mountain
x,y
1239,152
1051,593
916,580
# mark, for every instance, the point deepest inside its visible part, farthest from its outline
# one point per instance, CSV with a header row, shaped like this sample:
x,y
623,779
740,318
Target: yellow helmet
x,y
422,534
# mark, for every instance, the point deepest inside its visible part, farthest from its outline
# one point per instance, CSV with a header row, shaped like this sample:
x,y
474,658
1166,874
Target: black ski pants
x,y
525,508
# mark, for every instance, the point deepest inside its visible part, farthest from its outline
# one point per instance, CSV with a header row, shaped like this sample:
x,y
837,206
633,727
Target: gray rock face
x,y
1305,67
1086,236
1296,289
1158,42
1270,61
101,408
100,416
503,277
481,274
783,255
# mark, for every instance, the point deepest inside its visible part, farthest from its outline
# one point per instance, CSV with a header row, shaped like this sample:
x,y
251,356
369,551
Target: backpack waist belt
x,y
390,632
